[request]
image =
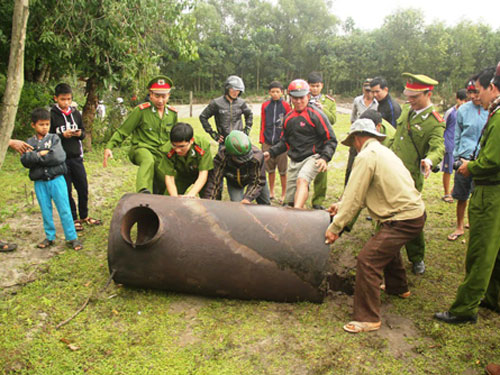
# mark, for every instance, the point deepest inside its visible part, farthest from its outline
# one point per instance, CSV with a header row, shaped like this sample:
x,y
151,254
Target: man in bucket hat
x,y
380,182
419,143
149,126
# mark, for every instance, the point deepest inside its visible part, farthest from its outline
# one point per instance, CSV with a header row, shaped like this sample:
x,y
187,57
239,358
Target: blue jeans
x,y
236,194
55,190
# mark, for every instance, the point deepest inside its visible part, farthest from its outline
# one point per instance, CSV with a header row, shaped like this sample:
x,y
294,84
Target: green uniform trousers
x,y
482,262
415,249
320,185
149,175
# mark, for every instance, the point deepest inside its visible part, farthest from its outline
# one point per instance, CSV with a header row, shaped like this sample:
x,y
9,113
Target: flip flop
x,y
45,244
6,247
78,225
447,198
454,236
91,221
75,244
358,327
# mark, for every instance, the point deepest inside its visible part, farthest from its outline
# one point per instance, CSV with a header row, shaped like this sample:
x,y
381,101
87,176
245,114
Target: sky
x,y
370,14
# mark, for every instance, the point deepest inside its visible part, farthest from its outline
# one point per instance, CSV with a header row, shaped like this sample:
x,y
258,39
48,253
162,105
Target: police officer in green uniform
x,y
481,286
187,162
419,144
149,126
328,105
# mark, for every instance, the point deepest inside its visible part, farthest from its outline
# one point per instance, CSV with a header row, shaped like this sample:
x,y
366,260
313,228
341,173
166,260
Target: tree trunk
x,y
89,110
15,75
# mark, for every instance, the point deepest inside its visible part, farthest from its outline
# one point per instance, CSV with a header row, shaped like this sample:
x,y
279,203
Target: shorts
x,y
462,187
447,164
280,161
305,169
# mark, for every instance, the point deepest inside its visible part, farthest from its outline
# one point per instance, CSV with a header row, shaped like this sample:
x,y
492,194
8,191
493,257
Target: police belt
x,y
486,183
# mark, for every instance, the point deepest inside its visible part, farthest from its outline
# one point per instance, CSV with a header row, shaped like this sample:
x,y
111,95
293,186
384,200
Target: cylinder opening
x,y
140,226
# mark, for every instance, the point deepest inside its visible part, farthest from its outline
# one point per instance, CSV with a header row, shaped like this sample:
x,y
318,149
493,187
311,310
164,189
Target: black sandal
x,y
78,225
6,247
45,243
75,244
91,221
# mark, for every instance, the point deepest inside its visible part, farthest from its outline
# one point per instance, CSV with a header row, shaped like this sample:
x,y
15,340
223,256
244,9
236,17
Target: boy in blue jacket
x,y
47,168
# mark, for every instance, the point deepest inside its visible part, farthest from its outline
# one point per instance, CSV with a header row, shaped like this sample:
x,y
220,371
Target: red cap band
x,y
158,86
416,86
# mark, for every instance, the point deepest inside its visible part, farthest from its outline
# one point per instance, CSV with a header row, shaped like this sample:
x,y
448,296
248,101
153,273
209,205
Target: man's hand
x,y
426,167
333,209
43,152
463,168
20,146
267,155
245,201
67,133
330,237
322,165
77,133
189,196
107,155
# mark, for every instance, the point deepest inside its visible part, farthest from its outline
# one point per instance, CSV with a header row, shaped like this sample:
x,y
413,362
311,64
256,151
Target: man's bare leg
x,y
301,193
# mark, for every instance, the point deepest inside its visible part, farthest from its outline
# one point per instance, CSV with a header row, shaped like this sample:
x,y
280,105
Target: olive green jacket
x,y
329,107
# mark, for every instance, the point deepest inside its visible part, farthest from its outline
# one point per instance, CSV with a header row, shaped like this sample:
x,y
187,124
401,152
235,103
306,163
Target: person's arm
x,y
214,179
209,111
131,122
458,133
262,140
247,112
258,181
171,187
436,144
325,132
198,184
80,133
330,109
55,155
19,146
354,112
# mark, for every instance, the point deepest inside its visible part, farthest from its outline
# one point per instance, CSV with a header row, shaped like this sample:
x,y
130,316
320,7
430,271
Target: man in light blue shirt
x,y
471,118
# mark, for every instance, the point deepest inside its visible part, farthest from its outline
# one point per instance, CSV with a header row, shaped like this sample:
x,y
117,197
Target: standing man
x,y
310,141
329,107
380,182
450,118
227,110
387,106
419,144
361,103
481,286
149,126
471,118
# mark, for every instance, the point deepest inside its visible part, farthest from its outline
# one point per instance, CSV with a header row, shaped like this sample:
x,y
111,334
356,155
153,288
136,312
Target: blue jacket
x,y
272,114
470,123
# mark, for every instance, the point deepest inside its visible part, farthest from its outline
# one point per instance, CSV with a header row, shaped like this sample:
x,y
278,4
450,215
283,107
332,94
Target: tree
x,y
15,75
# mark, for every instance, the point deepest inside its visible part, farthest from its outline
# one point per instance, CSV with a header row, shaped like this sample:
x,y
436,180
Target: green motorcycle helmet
x,y
239,146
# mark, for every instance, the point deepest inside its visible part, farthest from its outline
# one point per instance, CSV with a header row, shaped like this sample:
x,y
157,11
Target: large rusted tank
x,y
215,248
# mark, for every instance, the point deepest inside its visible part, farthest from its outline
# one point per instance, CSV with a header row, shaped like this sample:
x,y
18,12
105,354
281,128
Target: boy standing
x,y
272,113
187,162
66,122
47,166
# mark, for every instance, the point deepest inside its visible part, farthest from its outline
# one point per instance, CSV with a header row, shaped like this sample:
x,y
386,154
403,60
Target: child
x,y
243,166
187,162
66,122
47,166
272,113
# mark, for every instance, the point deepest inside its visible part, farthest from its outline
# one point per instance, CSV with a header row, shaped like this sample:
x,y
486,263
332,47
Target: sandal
x,y
357,327
6,247
454,236
74,244
91,221
78,225
447,198
45,243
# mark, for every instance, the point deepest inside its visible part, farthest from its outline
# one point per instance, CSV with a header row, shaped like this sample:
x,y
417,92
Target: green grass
x,y
135,331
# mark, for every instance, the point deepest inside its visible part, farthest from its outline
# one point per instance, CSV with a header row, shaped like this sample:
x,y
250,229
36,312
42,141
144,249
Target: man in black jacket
x,y
227,110
310,141
387,106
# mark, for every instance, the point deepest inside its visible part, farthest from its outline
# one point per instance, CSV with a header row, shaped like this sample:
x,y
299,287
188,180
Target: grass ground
x,y
135,331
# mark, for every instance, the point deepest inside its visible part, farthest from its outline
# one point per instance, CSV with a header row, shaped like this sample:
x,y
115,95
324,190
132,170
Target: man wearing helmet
x,y
227,110
243,166
310,141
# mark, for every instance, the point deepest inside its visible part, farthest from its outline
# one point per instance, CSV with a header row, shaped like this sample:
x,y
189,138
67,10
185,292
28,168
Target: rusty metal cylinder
x,y
215,248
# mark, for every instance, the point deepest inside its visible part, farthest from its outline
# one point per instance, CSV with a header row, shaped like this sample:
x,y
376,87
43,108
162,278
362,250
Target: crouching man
x,y
380,182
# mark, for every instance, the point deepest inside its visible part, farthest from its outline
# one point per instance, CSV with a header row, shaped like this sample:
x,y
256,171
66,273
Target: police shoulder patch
x,y
145,105
199,150
173,109
171,153
437,116
330,97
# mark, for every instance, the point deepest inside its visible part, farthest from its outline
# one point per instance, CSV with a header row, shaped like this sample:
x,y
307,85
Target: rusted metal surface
x,y
218,248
